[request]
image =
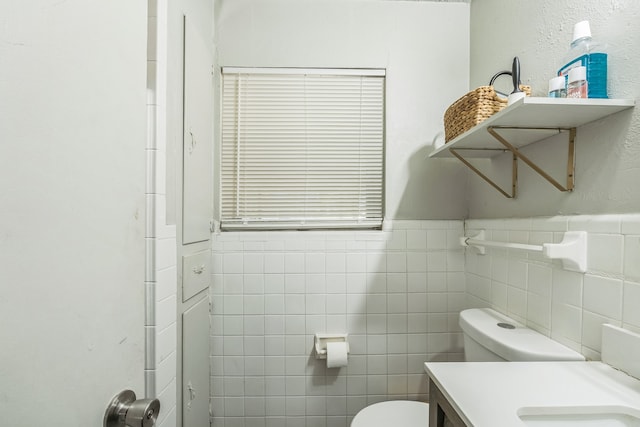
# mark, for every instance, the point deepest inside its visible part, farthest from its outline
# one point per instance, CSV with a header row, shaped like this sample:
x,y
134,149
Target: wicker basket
x,y
472,109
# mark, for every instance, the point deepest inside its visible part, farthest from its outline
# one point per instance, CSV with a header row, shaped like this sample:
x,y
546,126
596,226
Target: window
x,y
302,149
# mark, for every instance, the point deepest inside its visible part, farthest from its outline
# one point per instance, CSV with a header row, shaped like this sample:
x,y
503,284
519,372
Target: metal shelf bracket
x,y
517,155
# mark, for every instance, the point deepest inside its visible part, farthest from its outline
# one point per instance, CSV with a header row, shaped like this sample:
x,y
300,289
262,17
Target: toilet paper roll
x,y
336,354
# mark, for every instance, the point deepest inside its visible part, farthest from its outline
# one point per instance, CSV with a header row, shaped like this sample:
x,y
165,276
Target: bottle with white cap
x,y
578,86
585,52
557,87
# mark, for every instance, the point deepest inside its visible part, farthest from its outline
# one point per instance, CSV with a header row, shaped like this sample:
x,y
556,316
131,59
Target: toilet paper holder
x,y
321,341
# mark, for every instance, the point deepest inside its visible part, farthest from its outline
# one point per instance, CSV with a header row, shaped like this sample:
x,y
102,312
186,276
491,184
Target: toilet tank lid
x,y
515,344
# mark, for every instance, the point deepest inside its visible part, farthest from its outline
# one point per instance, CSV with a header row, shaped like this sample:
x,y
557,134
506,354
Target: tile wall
x,y
161,239
397,293
569,307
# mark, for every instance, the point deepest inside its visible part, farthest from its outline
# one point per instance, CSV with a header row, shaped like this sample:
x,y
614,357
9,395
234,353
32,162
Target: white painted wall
x,y
424,47
607,151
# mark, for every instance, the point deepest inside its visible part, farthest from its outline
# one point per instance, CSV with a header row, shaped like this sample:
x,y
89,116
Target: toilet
x,y
488,337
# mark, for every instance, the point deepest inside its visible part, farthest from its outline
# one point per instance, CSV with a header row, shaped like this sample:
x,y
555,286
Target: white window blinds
x,y
302,148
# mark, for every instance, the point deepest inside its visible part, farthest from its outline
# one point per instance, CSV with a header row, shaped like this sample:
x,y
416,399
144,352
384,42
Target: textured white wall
x,y
607,151
424,47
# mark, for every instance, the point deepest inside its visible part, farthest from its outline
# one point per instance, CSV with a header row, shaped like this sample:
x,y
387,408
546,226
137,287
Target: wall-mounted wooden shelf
x,y
525,122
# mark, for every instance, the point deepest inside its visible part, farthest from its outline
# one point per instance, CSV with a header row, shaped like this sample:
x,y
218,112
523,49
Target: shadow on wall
x,y
435,189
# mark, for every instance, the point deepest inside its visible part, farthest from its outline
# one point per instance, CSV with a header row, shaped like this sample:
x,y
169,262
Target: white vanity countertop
x,y
489,394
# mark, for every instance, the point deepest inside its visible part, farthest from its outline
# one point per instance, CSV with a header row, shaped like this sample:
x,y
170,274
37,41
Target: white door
x,y
72,208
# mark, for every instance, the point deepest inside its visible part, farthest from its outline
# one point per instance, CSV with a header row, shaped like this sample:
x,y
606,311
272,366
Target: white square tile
x,y
416,262
396,282
417,323
336,263
376,303
630,224
315,304
315,283
417,303
233,284
417,282
233,304
233,325
632,257
592,330
631,311
356,303
376,364
253,283
456,281
436,261
499,268
603,296
274,283
357,324
253,263
417,239
165,313
518,273
336,304
294,263
356,262
295,345
539,280
273,262
397,303
315,262
376,283
566,321
254,325
294,284
294,324
356,283
436,303
455,261
499,296
254,304
232,263
274,324
398,240
517,303
397,323
376,262
436,240
376,323
356,385
397,345
275,406
604,253
397,262
539,310
337,283
294,303
567,287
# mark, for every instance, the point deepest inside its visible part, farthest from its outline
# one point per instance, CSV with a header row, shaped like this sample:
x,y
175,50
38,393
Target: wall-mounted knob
x,y
125,411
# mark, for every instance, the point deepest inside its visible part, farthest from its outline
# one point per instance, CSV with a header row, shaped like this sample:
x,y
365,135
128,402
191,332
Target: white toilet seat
x,y
405,413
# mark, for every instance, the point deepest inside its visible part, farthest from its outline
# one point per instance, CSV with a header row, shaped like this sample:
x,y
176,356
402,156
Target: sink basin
x,y
568,416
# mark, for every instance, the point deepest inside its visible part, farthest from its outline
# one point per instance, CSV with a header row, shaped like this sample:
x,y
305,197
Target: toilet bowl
x,y
405,413
488,336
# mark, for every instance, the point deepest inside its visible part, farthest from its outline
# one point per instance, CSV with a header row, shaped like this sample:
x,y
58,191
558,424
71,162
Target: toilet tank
x,y
491,336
